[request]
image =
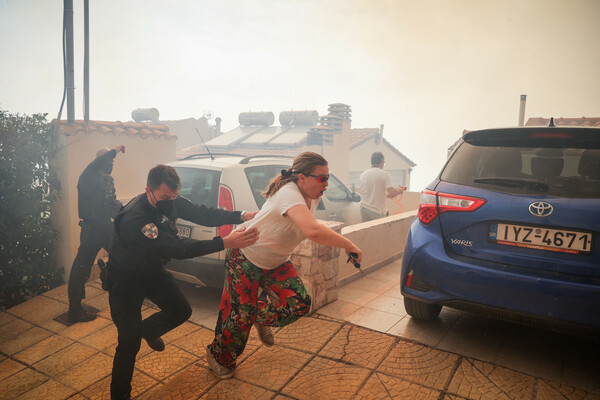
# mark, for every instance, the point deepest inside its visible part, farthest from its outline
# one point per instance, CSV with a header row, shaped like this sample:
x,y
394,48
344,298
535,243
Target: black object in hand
x,y
354,258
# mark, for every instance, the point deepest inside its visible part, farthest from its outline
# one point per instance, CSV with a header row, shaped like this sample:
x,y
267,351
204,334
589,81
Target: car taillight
x,y
436,203
226,203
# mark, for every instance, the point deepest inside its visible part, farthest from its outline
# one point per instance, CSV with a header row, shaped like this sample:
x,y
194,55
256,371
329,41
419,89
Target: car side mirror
x,y
355,197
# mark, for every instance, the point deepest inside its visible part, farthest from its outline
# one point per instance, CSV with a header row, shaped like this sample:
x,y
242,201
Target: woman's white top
x,y
278,234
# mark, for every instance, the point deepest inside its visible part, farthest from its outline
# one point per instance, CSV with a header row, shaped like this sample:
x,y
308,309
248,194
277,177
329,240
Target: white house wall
x,y
360,160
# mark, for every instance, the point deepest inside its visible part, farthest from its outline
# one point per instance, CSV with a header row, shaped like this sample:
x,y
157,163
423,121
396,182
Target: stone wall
x,y
324,269
318,267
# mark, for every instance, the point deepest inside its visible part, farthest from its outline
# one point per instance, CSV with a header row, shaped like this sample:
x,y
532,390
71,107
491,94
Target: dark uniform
x,y
98,204
143,241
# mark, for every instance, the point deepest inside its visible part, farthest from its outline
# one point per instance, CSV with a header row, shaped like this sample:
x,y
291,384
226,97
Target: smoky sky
x,y
426,69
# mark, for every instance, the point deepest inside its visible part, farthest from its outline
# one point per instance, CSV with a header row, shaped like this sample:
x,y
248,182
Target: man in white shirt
x,y
376,185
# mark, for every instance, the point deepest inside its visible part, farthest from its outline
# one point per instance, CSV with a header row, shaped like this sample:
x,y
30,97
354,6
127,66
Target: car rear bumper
x,y
439,278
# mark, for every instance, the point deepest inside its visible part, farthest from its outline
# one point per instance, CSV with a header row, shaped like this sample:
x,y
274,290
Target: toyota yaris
x,y
511,225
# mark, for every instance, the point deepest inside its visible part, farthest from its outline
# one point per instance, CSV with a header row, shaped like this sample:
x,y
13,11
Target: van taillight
x,y
436,203
226,203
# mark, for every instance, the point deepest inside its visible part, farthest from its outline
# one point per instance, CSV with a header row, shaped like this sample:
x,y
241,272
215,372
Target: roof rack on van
x,y
245,160
205,155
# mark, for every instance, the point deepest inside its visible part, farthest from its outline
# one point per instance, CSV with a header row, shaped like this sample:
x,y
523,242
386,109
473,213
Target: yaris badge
x,y
541,208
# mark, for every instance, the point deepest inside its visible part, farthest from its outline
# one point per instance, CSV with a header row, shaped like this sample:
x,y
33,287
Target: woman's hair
x,y
163,174
304,163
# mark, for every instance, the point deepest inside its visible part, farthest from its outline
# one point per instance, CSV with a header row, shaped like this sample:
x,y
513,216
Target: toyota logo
x,y
541,208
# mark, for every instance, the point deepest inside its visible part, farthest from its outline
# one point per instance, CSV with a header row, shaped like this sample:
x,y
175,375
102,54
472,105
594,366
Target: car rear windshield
x,y
200,185
565,166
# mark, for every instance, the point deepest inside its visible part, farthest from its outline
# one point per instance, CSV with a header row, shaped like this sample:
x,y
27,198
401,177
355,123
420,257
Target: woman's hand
x,y
354,249
240,238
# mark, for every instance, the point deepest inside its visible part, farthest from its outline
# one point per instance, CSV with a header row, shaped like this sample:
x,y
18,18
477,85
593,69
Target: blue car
x,y
511,225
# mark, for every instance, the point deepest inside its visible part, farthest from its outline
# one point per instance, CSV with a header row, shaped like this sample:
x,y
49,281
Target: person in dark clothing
x,y
144,239
98,204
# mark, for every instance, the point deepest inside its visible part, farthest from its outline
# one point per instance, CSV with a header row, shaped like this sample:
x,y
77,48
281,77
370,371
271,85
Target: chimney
x,y
217,126
522,110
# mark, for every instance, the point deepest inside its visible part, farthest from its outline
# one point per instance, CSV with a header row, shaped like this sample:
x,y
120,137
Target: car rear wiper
x,y
531,184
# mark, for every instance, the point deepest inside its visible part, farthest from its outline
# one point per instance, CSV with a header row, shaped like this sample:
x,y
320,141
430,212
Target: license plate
x,y
536,237
184,231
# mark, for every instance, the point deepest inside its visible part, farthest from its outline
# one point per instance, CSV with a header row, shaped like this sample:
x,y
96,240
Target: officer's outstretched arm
x,y
206,216
166,244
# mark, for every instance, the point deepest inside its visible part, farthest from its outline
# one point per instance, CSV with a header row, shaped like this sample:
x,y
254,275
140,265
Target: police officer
x,y
98,204
144,239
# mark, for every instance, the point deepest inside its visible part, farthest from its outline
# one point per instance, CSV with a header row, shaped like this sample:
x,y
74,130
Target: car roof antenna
x,y
551,122
204,143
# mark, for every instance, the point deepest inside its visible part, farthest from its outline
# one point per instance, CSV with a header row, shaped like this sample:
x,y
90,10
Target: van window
x,y
200,185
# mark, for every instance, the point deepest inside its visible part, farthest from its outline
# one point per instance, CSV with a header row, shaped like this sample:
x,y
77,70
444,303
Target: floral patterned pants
x,y
241,306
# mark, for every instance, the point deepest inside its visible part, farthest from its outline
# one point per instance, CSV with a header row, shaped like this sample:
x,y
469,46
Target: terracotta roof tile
x,y
115,128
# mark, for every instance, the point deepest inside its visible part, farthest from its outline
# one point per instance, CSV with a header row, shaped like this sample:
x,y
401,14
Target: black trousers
x,y
125,297
91,239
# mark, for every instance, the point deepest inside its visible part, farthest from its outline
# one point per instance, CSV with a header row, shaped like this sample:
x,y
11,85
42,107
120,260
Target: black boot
x,y
77,314
156,344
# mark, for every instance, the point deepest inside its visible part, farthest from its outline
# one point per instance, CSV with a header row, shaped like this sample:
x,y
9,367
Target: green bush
x,y
28,240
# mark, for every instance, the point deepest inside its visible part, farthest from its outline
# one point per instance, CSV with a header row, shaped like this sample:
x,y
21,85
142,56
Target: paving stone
x,y
24,340
140,383
21,382
307,334
87,373
50,389
43,349
187,384
181,330
82,329
49,310
420,364
102,338
326,379
53,325
479,380
161,365
35,304
555,391
271,367
381,387
9,367
64,359
59,293
12,329
359,346
196,341
233,389
5,318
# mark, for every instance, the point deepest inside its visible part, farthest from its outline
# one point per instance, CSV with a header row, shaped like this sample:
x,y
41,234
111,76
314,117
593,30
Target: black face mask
x,y
165,207
107,168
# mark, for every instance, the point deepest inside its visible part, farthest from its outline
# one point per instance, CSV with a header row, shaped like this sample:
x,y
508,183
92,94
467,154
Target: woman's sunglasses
x,y
319,178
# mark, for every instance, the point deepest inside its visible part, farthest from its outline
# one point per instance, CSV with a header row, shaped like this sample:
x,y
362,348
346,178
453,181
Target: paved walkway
x,y
318,357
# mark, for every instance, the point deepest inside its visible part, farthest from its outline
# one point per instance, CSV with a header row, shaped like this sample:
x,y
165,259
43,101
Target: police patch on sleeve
x,y
150,231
